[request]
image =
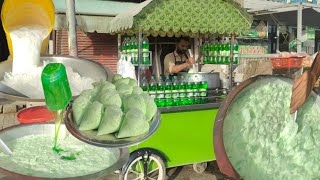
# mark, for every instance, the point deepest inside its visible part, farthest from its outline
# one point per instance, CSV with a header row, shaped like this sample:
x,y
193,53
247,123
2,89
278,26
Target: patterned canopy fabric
x,y
183,17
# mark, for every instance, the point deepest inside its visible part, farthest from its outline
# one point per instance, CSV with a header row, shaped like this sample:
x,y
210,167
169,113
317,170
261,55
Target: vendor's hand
x,y
191,61
301,90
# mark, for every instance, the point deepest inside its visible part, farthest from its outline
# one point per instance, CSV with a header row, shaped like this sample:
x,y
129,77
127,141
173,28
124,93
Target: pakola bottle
x,y
175,91
144,84
168,92
153,89
182,91
196,93
203,90
134,50
145,51
56,87
227,52
189,90
236,52
160,92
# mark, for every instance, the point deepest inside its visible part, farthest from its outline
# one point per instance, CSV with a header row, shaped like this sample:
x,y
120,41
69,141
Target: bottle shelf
x,y
134,59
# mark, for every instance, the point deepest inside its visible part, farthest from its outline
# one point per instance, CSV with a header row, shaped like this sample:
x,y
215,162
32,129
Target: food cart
x,y
185,135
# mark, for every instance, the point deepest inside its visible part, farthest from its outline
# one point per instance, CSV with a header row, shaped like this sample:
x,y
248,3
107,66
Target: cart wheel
x,y
144,167
200,167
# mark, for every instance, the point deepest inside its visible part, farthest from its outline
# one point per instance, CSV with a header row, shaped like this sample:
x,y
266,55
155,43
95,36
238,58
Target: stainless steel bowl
x,y
18,131
82,66
213,79
109,141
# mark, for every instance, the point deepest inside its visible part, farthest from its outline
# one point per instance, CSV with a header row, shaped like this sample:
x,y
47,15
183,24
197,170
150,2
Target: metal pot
x,y
82,66
18,131
213,79
222,158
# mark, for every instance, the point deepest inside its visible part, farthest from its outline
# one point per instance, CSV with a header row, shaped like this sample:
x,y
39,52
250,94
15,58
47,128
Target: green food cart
x,y
185,135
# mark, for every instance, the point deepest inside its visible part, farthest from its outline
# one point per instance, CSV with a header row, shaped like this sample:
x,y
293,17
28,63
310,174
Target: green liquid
x,y
57,150
57,124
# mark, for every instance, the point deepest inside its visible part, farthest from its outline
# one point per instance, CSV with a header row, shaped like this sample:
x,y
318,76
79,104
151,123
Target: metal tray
x,y
84,67
109,141
18,131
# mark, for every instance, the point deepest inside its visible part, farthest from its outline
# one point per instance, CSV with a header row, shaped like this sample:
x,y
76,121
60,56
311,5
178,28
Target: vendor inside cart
x,y
178,61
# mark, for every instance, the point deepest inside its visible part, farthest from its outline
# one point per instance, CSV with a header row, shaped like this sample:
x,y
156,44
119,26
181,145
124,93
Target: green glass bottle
x,y
196,91
211,60
144,84
134,50
203,90
153,89
236,52
168,91
189,89
124,46
160,92
206,59
227,53
175,91
221,54
182,91
145,50
55,86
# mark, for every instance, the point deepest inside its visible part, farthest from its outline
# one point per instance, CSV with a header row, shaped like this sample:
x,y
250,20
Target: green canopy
x,y
183,17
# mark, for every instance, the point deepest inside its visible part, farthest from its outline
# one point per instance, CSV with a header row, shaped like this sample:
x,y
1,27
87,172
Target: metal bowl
x,y
82,66
222,158
109,141
18,131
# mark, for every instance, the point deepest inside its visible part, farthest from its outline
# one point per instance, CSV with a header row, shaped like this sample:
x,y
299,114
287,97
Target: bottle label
x,y
175,94
152,94
203,92
168,94
160,94
145,52
196,92
182,93
135,55
189,93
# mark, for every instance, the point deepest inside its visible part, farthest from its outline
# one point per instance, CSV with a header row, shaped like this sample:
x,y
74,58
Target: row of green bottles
x,y
130,48
176,93
215,53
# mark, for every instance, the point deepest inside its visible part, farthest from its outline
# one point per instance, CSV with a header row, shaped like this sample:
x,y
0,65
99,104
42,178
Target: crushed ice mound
x,y
264,142
31,86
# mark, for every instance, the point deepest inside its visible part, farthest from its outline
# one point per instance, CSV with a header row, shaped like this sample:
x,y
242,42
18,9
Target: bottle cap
x,y
36,114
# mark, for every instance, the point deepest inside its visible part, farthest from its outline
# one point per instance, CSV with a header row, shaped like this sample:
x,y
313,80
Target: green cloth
x,y
183,17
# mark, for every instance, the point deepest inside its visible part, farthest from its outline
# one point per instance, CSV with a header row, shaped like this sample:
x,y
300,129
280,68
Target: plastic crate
x,y
287,62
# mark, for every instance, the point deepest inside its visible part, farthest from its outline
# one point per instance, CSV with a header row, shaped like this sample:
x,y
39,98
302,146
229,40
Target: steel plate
x,y
109,141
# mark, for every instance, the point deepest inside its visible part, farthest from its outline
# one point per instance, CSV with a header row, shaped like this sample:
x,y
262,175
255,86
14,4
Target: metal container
x,y
109,141
223,161
18,131
82,66
213,79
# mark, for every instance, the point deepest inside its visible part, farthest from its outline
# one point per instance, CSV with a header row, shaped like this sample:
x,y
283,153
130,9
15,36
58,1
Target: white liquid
x,y
26,45
26,72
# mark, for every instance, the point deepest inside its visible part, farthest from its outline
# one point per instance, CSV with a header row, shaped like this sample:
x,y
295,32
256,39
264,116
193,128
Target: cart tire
x,y
200,167
138,161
